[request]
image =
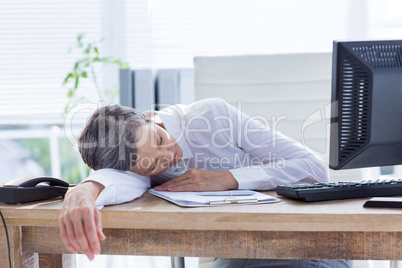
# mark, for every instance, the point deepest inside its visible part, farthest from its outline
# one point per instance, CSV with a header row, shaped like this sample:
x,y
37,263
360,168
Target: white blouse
x,y
215,136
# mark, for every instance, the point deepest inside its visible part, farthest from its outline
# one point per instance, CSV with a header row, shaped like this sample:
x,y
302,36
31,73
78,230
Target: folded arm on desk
x,y
120,186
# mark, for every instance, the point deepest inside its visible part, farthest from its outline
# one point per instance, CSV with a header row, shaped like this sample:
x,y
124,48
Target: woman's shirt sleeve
x,y
277,159
120,186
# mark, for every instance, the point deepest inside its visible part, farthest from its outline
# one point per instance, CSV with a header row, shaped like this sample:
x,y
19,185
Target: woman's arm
x,y
80,220
274,158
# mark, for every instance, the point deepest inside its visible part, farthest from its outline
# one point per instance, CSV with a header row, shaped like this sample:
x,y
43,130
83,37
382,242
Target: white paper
x,y
193,199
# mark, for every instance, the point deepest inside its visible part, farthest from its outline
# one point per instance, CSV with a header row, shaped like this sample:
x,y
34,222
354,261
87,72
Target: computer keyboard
x,y
341,190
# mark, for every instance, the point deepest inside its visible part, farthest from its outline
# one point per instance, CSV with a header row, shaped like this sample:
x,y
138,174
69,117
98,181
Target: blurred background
x,y
56,55
39,48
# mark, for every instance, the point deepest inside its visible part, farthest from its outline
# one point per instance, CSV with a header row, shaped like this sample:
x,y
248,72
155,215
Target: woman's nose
x,y
167,155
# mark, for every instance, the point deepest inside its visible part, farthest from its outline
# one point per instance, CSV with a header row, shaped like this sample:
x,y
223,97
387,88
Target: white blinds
x,y
34,39
35,35
170,33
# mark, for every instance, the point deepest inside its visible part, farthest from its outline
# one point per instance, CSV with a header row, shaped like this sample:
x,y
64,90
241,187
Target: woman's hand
x,y
80,220
199,180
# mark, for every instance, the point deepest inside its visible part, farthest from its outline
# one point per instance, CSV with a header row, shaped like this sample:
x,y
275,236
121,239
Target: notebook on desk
x,y
206,199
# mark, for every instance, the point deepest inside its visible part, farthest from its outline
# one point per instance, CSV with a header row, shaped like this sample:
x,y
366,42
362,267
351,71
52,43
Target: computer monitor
x,y
366,108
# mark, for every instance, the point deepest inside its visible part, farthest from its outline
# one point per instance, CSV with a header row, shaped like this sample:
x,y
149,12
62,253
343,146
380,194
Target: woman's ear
x,y
161,125
149,114
154,116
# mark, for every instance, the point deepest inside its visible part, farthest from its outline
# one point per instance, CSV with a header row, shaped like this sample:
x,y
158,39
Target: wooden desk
x,y
151,226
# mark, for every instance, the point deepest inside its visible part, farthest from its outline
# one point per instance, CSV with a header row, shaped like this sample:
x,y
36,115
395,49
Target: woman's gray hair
x,y
109,138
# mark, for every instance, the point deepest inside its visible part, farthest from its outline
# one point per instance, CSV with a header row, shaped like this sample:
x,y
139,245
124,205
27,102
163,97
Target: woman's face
x,y
157,150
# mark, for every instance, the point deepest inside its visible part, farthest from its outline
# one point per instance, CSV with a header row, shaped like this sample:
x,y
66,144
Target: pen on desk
x,y
227,193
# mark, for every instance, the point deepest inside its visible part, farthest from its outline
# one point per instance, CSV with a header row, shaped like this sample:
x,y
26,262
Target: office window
x,y
35,35
384,19
170,33
34,39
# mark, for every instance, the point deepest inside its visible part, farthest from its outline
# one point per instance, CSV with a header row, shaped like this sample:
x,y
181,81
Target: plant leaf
x,y
79,40
104,59
84,74
70,93
67,78
88,49
77,79
117,62
80,36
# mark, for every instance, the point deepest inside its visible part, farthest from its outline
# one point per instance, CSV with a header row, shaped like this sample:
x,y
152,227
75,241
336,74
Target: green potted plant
x,y
85,67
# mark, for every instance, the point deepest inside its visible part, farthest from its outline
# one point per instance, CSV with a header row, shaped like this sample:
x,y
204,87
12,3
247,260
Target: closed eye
x,y
161,140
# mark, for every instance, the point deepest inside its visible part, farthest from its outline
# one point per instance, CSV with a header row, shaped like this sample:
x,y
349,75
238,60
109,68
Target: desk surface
x,y
150,212
341,229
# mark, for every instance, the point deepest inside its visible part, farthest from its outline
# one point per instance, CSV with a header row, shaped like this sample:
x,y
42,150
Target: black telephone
x,y
24,190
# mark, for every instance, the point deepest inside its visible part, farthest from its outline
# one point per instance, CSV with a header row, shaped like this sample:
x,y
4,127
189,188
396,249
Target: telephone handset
x,y
36,182
32,189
